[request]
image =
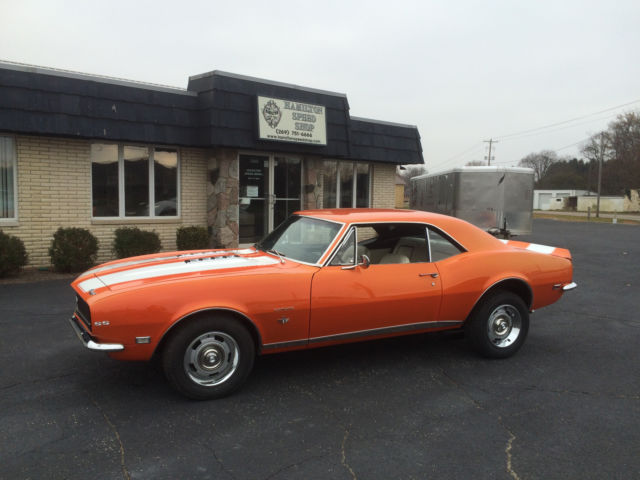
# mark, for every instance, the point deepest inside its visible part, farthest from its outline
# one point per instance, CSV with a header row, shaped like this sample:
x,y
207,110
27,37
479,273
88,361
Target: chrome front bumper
x,y
89,342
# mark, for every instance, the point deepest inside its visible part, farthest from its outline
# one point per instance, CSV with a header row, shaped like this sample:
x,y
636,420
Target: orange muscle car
x,y
321,278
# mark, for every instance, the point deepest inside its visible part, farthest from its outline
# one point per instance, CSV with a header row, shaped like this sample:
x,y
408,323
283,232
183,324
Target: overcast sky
x,y
462,71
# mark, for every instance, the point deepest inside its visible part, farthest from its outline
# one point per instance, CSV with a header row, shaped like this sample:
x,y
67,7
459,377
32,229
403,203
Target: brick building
x,y
233,153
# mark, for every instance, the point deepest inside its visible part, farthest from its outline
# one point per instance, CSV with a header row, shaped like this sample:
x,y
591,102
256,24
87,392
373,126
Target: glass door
x,y
287,174
253,221
270,190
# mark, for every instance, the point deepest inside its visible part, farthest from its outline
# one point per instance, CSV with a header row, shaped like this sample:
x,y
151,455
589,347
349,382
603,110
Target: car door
x,y
394,293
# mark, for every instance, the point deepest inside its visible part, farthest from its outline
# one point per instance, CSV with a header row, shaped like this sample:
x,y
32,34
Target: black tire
x,y
208,357
499,325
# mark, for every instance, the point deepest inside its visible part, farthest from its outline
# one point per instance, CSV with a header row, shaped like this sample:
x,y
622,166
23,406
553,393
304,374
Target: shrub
x,y
192,238
13,255
131,241
73,250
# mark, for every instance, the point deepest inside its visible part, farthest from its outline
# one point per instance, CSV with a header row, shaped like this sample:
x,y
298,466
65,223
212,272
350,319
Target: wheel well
x,y
248,324
513,285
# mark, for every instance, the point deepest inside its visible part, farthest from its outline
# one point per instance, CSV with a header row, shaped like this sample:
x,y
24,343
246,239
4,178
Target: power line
x,y
569,121
561,128
541,130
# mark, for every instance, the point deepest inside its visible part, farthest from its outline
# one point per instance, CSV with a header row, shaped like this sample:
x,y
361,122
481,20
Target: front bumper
x,y
89,341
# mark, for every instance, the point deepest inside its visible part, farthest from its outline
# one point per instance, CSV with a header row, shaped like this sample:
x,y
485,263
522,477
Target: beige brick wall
x,y
383,190
54,190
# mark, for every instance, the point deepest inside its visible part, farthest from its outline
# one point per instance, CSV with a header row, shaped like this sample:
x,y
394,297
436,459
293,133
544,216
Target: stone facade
x,y
222,198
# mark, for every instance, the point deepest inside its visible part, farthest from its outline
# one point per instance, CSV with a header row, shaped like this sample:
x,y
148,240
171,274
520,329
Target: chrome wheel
x,y
504,325
211,358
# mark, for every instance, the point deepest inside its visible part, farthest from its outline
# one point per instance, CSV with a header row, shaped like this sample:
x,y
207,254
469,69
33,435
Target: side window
x,y
441,247
344,255
413,247
397,243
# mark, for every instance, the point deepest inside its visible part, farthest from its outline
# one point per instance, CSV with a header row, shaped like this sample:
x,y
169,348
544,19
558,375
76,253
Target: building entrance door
x,y
270,189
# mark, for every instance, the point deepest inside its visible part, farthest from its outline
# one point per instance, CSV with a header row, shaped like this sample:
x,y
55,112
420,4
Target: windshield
x,y
300,238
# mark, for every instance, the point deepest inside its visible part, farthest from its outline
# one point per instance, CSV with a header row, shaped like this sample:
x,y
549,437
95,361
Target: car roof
x,y
373,215
468,235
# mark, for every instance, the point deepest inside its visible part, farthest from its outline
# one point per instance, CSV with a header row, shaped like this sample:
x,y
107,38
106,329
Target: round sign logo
x,y
272,114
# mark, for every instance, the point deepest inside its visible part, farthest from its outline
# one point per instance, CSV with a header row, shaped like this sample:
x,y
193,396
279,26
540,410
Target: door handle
x,y
432,275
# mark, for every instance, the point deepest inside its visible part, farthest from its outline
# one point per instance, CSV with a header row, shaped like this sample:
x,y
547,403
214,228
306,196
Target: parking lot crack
x,y
222,465
125,472
478,405
507,451
343,452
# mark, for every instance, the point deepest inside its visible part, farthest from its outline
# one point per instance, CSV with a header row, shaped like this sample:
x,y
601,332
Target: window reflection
x,y
136,181
104,180
165,173
346,184
329,183
362,185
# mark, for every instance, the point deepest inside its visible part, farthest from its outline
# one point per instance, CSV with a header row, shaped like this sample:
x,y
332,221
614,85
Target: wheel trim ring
x,y
504,326
223,346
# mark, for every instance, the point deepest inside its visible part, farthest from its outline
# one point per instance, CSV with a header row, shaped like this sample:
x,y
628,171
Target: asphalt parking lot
x,y
566,406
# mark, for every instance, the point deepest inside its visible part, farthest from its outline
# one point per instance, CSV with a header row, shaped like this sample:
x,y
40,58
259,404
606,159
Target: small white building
x,y
554,199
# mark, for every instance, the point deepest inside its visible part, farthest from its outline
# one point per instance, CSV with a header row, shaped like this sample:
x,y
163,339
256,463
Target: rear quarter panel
x,y
466,277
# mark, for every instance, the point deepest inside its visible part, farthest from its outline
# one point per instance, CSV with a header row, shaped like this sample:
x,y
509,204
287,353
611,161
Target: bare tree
x,y
539,162
407,172
475,163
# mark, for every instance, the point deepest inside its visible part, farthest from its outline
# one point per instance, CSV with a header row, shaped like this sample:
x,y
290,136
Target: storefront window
x,y
329,183
346,184
347,181
165,172
362,185
7,178
104,180
127,180
136,181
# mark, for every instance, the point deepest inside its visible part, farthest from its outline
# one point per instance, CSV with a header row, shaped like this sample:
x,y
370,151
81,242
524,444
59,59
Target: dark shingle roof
x,y
218,109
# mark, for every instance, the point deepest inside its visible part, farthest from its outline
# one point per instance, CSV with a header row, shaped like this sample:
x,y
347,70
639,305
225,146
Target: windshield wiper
x,y
280,255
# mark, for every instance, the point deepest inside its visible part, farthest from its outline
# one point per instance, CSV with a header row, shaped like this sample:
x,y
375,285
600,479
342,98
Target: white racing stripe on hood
x,y
91,284
192,266
244,251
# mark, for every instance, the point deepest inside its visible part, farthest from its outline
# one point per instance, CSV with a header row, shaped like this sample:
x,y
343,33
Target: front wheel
x,y
209,357
499,326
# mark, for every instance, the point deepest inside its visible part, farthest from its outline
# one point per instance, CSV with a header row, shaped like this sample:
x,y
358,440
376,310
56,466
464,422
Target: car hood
x,y
170,266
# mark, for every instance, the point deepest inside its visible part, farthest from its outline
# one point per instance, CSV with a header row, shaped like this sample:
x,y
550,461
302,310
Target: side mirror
x,y
364,263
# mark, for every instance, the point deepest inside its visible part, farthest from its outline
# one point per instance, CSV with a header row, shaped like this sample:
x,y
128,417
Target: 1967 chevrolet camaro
x,y
321,278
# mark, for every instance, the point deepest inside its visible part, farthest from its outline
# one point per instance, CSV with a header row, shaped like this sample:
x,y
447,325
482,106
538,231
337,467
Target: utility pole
x,y
491,141
600,159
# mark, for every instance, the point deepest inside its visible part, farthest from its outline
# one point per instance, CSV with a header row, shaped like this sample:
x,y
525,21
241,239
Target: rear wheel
x,y
209,357
499,326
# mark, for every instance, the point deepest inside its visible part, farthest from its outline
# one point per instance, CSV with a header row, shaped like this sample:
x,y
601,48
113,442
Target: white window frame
x,y
11,221
151,177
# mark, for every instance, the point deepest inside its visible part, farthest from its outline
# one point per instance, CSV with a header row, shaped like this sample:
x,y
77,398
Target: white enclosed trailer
x,y
496,199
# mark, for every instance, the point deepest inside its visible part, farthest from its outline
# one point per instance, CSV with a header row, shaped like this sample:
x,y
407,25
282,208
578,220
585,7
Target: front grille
x,y
83,311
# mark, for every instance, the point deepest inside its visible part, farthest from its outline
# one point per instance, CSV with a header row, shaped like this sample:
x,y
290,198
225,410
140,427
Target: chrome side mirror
x,y
364,263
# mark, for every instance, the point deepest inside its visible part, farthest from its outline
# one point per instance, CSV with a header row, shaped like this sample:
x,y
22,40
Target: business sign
x,y
288,121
